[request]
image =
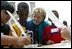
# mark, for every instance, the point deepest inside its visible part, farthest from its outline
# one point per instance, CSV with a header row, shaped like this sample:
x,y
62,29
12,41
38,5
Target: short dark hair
x,y
7,6
65,23
56,13
22,5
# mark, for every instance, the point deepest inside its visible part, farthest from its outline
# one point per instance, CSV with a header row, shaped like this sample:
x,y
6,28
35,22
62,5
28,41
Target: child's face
x,y
23,14
38,18
4,16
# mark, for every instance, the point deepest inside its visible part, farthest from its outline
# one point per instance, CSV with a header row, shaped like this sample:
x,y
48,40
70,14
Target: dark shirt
x,y
5,29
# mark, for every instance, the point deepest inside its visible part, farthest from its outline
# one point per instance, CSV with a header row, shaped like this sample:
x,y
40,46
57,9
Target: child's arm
x,y
16,41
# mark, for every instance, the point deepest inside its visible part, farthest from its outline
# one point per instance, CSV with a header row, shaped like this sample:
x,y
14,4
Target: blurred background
x,y
63,8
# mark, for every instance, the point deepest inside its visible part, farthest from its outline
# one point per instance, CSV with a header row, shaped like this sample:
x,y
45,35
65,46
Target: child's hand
x,y
65,33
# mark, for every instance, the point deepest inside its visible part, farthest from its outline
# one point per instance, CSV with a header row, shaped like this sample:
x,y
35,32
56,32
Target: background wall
x,y
63,8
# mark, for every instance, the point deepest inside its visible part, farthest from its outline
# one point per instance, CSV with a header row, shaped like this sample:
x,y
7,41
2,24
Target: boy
x,y
9,41
52,33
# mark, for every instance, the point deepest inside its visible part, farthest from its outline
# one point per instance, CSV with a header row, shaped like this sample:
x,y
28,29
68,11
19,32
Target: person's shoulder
x,y
48,27
46,23
5,29
30,22
6,26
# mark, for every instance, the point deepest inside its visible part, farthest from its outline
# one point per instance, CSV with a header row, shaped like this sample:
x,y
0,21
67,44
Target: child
x,y
52,33
38,24
9,41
